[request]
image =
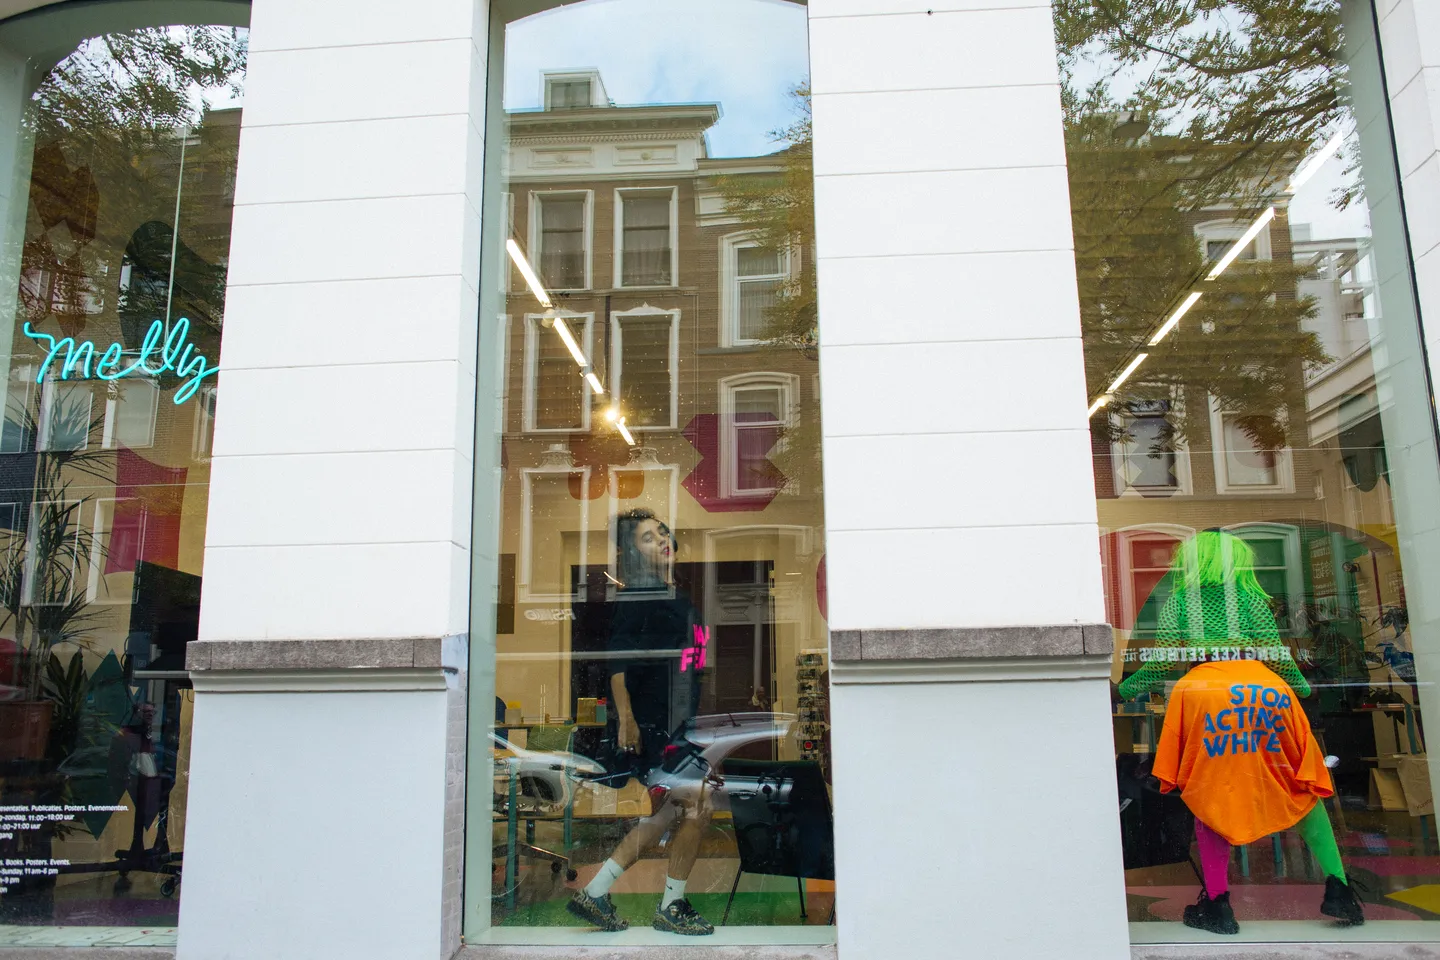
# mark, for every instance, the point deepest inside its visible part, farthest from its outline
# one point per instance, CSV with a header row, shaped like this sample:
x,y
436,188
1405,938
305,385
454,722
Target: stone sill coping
x,y
689,951
375,654
965,643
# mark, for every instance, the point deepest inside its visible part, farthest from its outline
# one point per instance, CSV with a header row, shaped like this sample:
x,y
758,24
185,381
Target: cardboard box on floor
x,y
1402,782
1414,775
1386,793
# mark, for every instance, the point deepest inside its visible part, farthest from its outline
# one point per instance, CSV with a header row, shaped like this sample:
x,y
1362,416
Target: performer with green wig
x,y
1218,611
1216,603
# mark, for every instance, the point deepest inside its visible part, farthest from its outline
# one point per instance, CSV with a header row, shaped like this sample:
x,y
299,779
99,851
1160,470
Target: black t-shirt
x,y
653,642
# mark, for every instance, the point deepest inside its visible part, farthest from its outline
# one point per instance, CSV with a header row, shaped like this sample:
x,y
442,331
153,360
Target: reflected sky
x,y
674,51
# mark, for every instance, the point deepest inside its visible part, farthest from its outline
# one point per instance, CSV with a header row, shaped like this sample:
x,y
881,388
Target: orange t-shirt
x,y
1239,747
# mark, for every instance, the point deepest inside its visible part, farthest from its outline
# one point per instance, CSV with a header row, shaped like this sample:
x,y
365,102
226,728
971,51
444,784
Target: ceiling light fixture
x,y
594,382
570,343
1100,401
1180,311
1316,162
624,431
527,272
1242,243
1125,374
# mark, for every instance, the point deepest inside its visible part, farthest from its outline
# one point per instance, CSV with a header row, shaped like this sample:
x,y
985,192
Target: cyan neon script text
x,y
176,353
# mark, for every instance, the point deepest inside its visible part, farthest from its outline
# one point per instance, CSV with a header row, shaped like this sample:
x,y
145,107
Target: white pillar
x,y
972,739
325,808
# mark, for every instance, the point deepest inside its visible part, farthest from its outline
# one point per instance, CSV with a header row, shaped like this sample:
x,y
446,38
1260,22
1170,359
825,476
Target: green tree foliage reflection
x,y
1178,113
778,209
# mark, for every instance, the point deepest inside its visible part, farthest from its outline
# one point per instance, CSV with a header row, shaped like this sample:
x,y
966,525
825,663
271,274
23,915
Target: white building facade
x,y
401,517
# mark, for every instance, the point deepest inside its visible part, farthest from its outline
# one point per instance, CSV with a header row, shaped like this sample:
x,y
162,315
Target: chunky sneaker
x,y
596,911
1341,903
680,917
1213,915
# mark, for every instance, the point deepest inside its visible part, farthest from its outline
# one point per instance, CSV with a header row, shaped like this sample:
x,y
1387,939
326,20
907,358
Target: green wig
x,y
1213,558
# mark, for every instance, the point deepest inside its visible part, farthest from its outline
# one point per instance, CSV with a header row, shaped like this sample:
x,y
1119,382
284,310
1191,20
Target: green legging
x,y
1318,834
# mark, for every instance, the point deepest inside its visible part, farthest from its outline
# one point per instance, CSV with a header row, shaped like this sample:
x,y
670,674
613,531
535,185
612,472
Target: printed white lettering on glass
x,y
175,354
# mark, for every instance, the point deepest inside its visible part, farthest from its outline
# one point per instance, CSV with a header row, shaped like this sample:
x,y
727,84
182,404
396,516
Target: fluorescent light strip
x,y
570,343
1180,311
527,272
1100,401
1316,162
594,382
1242,243
624,431
1139,359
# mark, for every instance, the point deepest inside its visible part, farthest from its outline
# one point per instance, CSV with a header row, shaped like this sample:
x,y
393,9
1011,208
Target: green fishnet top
x,y
1244,621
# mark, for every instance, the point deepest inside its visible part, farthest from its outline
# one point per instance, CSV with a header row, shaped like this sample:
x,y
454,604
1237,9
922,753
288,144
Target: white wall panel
x,y
888,133
361,159
983,385
913,575
321,591
388,406
313,826
314,498
852,8
994,830
336,23
351,240
985,48
949,473
946,297
333,323
375,82
967,211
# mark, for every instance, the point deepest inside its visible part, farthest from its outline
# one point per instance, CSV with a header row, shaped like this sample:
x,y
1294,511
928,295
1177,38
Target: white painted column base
x,y
317,806
976,815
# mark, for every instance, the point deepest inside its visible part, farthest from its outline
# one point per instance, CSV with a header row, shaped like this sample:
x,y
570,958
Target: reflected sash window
x,y
646,240
563,237
644,369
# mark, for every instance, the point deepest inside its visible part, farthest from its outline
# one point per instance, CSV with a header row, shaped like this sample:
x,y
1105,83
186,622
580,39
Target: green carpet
x,y
759,909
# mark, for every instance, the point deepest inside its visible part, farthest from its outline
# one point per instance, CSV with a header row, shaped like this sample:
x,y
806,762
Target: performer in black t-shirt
x,y
656,655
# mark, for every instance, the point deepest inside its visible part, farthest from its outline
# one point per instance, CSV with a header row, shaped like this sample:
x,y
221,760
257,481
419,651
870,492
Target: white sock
x,y
599,886
674,890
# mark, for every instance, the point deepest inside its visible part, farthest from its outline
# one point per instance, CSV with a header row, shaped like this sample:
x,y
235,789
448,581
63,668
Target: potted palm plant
x,y
44,572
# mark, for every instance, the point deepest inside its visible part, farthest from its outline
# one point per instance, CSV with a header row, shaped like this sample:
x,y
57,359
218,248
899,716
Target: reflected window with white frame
x,y
1242,463
1147,457
560,238
755,409
1218,236
203,438
19,421
66,412
118,545
1277,568
130,412
752,278
556,397
53,551
554,536
644,367
645,225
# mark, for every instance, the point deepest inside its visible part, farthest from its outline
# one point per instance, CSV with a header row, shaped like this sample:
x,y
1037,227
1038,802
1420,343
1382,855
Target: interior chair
x,y
544,783
783,826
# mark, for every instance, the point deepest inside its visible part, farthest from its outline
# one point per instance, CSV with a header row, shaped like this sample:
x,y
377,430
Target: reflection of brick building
x,y
667,294
1317,509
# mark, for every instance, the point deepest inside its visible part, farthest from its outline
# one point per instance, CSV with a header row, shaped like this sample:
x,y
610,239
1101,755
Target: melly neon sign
x,y
175,353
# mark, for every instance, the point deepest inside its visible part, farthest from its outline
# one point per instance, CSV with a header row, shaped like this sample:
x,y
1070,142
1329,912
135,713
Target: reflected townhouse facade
x,y
801,479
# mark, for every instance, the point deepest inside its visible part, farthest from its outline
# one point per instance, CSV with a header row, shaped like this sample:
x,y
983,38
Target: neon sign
x,y
695,655
175,354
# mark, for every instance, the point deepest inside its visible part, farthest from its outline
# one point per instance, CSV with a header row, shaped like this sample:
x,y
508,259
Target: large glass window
x,y
117,162
1266,471
648,615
